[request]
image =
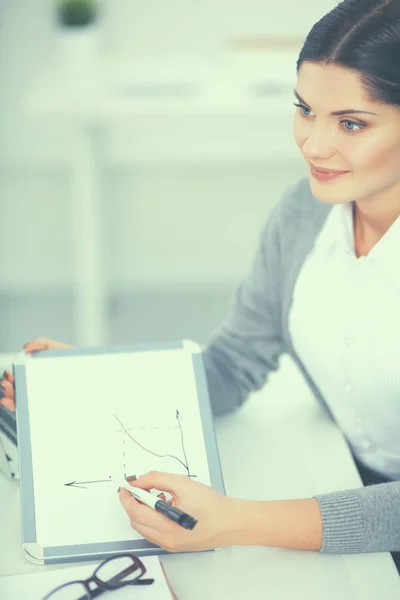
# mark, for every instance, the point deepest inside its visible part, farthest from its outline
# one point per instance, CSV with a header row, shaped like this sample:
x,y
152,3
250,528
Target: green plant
x,y
76,13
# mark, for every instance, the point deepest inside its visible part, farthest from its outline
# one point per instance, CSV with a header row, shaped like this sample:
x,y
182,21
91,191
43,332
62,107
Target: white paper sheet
x,y
76,437
37,585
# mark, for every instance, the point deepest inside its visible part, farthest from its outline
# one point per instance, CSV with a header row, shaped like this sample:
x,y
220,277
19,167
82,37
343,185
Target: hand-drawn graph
x,y
161,448
145,448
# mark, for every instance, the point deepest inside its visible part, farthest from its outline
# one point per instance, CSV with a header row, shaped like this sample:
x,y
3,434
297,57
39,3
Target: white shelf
x,y
21,288
109,91
227,121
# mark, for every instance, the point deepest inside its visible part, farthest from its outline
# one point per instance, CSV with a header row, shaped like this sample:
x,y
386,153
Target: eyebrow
x,y
348,111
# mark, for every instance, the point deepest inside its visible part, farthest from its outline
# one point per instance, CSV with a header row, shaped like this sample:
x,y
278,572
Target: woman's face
x,y
367,146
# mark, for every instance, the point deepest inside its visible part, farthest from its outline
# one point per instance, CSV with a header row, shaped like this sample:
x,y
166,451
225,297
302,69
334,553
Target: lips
x,y
325,175
332,171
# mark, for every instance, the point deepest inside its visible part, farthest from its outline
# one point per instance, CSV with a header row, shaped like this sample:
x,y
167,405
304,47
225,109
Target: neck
x,y
373,217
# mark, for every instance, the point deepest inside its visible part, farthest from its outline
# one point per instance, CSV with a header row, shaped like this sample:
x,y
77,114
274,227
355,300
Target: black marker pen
x,y
183,519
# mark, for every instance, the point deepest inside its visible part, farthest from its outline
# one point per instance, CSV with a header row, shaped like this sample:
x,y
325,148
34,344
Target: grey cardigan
x,y
247,347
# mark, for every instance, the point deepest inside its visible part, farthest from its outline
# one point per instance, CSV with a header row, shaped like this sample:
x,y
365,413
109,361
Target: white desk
x,y
280,445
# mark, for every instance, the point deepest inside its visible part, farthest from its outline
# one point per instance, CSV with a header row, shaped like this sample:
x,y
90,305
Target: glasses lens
x,y
70,591
119,569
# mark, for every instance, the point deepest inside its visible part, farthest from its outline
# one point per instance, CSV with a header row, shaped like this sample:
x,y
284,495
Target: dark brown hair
x,y
364,36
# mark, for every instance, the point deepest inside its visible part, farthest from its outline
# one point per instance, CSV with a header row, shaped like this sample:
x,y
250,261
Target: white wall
x,y
214,210
202,28
26,40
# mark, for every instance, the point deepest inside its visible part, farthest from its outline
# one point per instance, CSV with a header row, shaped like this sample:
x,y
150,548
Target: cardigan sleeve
x,y
365,519
248,344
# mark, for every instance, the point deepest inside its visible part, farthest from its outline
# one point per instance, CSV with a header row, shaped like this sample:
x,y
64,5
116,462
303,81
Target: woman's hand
x,y
217,516
222,521
7,394
7,391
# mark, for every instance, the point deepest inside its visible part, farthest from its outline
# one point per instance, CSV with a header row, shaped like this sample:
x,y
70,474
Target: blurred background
x,y
142,146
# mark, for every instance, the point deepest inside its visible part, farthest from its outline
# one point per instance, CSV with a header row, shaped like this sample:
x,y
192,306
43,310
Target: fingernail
x,y
131,478
5,374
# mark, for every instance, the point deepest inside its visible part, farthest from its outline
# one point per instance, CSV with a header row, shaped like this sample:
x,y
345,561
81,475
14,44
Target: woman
x,y
324,287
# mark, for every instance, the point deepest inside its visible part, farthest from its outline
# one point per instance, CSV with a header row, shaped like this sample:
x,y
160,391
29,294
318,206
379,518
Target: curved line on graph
x,y
147,450
183,445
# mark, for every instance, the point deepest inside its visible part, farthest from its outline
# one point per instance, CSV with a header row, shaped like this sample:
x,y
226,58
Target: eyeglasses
x,y
112,574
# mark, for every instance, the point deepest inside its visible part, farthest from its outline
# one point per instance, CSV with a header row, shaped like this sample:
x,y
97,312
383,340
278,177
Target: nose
x,y
317,143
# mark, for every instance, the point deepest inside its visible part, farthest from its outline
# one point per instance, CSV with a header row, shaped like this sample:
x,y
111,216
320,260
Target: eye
x,y
351,126
303,109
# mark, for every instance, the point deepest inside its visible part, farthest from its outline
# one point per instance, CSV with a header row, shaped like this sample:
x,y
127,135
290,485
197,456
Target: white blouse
x,y
353,355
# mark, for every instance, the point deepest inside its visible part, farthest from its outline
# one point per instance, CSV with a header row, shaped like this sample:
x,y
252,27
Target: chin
x,y
329,194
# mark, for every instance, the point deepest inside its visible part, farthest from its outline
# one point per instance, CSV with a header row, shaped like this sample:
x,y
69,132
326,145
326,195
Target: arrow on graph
x,y
80,483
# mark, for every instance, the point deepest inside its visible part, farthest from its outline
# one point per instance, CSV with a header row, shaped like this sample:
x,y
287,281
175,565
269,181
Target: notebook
x,y
8,444
37,585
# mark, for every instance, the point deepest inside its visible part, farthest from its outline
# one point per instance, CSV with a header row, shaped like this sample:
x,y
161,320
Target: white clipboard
x,y
87,415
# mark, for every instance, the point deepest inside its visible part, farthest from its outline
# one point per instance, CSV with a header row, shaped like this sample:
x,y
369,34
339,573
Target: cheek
x,y
375,156
299,131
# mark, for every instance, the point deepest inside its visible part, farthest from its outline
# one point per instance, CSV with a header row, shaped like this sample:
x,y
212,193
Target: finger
x,y
9,376
147,532
53,344
8,403
171,540
8,389
162,496
34,346
153,536
40,343
169,482
140,513
167,500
